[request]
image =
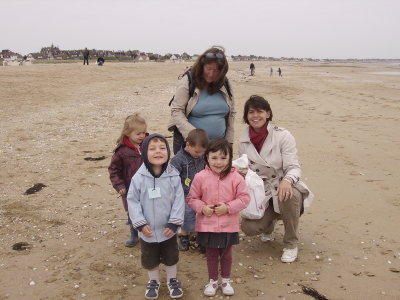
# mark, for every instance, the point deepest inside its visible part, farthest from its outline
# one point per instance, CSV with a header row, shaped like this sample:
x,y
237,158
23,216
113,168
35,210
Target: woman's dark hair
x,y
220,144
256,102
214,54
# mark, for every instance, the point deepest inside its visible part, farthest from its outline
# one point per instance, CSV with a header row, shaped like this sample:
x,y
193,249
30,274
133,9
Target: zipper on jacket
x,y
154,215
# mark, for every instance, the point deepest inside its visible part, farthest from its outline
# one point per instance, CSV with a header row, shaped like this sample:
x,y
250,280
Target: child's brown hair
x,y
220,144
197,137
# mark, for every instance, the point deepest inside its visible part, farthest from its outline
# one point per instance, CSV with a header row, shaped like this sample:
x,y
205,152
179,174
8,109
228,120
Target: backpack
x,y
188,73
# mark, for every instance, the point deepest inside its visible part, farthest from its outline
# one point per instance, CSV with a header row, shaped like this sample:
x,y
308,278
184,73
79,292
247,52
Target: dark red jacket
x,y
124,164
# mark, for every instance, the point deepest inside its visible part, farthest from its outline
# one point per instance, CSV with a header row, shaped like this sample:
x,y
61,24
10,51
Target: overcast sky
x,y
288,28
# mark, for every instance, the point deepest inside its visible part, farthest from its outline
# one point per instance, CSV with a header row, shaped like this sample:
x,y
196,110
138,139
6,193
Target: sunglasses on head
x,y
214,55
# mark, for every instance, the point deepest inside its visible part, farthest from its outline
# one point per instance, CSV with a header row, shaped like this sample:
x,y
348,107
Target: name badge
x,y
154,193
187,181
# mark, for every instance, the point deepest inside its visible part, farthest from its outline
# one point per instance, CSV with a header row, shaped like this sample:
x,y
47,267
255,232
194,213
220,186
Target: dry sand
x,y
346,123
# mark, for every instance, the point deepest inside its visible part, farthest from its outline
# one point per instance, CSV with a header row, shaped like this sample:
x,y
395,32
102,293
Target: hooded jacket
x,y
208,188
166,211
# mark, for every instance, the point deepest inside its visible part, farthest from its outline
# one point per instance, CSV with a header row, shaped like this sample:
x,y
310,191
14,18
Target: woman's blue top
x,y
209,114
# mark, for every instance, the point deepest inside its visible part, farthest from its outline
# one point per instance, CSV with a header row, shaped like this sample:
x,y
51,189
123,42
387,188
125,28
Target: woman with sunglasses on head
x,y
209,106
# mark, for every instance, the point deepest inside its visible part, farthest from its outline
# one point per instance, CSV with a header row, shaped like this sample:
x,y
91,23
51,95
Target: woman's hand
x,y
122,192
221,209
146,230
168,232
284,190
207,210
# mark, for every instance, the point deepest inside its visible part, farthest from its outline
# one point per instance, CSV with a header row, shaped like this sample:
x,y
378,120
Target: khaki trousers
x,y
290,214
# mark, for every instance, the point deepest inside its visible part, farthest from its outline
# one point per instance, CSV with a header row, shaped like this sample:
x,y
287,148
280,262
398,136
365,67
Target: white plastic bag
x,y
255,185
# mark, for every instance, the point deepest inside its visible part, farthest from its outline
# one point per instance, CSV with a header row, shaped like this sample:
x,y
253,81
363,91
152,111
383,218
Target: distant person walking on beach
x,y
86,56
279,72
252,69
271,72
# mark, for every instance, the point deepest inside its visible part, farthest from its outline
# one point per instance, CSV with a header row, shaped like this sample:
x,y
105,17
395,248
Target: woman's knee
x,y
251,227
293,205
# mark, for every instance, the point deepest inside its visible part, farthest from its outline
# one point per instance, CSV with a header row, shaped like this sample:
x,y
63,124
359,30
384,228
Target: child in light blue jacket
x,y
156,207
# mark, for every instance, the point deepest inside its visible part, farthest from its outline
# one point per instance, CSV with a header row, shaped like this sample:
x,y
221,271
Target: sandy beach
x,y
345,118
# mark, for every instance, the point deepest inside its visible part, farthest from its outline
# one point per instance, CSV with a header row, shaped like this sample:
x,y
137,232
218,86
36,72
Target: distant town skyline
x,y
341,29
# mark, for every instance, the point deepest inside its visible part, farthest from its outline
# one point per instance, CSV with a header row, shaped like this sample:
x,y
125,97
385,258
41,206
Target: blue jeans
x,y
189,220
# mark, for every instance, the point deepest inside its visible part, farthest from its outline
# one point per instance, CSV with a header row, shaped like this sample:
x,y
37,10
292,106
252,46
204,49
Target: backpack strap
x,y
188,73
228,87
191,85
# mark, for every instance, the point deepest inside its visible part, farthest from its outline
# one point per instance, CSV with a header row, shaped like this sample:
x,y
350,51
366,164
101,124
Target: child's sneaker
x,y
193,245
152,289
174,287
183,243
211,288
227,289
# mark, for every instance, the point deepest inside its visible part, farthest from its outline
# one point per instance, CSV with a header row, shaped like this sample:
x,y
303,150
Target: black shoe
x,y
174,287
134,239
183,243
131,242
152,289
195,246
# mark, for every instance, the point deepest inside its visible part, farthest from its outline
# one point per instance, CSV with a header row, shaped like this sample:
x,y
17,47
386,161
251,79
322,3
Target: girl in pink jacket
x,y
217,195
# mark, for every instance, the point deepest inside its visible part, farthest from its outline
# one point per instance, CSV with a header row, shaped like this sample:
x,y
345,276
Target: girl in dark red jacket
x,y
126,161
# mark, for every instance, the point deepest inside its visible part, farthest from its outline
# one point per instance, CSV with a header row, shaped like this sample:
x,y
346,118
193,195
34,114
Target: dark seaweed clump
x,y
21,246
36,188
313,293
94,158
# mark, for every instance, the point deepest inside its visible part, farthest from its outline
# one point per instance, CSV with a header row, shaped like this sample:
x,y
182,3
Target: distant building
x,y
50,52
143,57
8,55
35,56
185,56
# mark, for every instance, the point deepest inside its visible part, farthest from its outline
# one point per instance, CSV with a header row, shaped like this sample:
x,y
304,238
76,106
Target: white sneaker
x,y
267,237
227,289
211,288
289,255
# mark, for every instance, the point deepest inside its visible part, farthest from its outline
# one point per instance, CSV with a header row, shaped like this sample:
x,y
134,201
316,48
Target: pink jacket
x,y
208,188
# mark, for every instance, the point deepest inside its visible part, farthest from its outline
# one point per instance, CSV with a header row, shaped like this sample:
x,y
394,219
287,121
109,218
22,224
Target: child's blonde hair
x,y
131,123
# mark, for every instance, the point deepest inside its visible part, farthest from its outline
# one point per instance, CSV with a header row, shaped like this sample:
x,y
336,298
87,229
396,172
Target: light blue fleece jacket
x,y
156,212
